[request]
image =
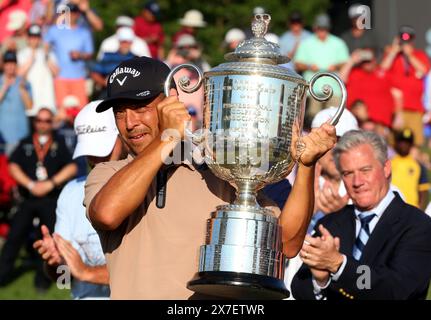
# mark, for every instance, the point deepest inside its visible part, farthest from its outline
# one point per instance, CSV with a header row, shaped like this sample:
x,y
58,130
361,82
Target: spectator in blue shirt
x,y
15,99
89,19
290,40
73,46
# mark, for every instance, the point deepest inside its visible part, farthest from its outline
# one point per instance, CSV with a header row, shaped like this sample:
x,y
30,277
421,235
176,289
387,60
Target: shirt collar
x,y
381,207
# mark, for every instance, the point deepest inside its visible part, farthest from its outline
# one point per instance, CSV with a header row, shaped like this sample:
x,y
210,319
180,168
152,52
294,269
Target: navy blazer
x,y
398,254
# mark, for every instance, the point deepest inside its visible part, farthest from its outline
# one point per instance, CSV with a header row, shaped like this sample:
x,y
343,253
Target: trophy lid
x,y
258,47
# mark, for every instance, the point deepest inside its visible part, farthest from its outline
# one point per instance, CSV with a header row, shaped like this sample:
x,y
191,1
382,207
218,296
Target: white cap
x,y
234,34
124,21
71,101
272,37
125,34
96,132
346,123
186,40
258,10
193,18
17,20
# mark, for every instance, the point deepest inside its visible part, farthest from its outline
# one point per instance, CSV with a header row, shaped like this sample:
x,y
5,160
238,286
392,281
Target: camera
x,y
405,37
183,52
406,34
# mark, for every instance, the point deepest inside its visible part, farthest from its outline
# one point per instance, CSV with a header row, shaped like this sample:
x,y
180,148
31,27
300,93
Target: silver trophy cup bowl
x,y
253,108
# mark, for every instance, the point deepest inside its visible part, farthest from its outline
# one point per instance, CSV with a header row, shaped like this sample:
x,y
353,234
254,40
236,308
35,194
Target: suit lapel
x,y
383,231
346,230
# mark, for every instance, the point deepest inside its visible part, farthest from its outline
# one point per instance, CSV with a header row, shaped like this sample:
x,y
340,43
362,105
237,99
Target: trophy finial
x,y
259,26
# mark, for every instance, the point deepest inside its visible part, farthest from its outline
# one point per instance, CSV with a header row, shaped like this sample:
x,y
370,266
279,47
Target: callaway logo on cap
x,y
121,71
135,79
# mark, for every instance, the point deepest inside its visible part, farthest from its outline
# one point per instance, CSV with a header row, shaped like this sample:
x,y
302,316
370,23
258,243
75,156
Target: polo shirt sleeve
x,y
302,53
422,56
88,42
342,52
27,86
63,222
49,35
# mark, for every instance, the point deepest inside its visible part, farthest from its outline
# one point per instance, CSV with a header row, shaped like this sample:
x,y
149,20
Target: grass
x,y
22,289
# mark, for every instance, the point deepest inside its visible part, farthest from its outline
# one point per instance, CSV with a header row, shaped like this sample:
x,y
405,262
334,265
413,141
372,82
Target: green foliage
x,y
221,15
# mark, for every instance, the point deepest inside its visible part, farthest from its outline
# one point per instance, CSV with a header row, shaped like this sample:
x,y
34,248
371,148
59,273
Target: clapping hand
x,y
47,248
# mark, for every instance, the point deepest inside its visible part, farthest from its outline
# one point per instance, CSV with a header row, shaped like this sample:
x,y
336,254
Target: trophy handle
x,y
184,85
328,92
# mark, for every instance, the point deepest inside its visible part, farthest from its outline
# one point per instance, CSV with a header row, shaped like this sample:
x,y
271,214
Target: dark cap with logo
x,y
137,79
34,30
404,135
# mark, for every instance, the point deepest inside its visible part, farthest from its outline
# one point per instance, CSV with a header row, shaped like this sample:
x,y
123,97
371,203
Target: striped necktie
x,y
364,234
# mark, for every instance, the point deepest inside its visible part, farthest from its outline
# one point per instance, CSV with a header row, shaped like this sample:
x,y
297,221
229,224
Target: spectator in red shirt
x,y
149,29
192,20
408,67
367,81
7,183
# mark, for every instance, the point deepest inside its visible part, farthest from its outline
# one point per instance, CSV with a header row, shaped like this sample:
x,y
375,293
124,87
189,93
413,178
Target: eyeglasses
x,y
48,121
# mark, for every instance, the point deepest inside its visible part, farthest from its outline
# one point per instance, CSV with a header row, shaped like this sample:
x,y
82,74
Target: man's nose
x,y
357,180
132,119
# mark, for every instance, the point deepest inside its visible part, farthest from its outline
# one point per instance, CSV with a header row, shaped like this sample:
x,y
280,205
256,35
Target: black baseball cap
x,y
35,30
404,135
153,7
137,79
9,56
296,17
73,7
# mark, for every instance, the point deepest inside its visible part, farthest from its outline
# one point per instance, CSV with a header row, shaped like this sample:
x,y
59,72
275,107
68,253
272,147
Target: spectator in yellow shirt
x,y
407,173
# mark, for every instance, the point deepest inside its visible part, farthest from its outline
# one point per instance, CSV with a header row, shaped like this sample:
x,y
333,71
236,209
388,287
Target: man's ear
x,y
387,168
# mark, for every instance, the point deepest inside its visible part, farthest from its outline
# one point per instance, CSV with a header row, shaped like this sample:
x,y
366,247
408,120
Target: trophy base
x,y
238,285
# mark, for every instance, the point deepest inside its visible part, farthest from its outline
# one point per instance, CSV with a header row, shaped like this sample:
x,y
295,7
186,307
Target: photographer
x,y
187,50
368,82
407,67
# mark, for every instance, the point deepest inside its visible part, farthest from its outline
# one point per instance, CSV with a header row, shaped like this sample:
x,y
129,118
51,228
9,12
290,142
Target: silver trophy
x,y
252,109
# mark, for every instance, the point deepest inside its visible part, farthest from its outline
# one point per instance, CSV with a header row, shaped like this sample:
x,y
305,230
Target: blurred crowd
x,y
51,69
